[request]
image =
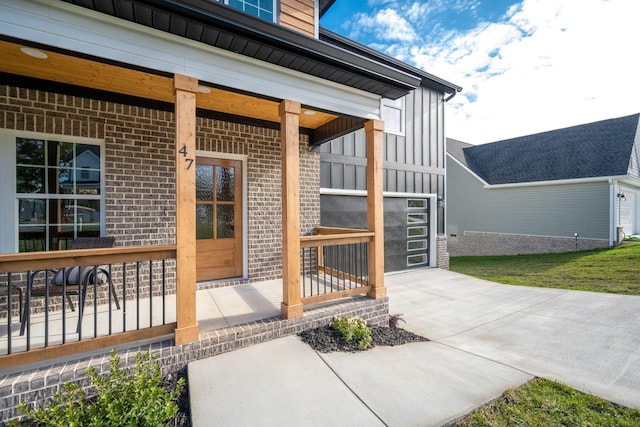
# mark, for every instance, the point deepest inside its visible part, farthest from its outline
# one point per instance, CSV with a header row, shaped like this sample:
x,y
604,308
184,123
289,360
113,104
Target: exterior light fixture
x,y
204,89
34,53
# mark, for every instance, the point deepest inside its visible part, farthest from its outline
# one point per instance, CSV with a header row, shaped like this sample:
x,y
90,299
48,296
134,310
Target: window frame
x,y
274,10
394,104
9,190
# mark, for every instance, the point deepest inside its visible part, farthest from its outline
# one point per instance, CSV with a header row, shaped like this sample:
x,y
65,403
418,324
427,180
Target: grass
x,y
546,403
614,270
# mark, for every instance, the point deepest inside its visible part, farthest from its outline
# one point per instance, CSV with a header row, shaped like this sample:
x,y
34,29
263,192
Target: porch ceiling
x,y
69,69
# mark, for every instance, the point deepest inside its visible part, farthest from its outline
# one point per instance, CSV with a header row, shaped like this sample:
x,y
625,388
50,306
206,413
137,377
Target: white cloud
x,y
550,64
387,25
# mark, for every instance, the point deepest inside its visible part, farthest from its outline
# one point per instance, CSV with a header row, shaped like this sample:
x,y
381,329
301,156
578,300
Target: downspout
x,y
612,213
448,98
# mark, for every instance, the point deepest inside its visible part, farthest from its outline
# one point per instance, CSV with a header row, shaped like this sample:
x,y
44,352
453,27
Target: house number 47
x,y
183,151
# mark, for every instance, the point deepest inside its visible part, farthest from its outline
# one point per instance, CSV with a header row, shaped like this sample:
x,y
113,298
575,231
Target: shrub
x,y
394,319
122,399
353,328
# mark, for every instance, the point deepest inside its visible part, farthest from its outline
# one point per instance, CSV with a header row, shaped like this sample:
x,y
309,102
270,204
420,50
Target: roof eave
x,y
426,79
395,80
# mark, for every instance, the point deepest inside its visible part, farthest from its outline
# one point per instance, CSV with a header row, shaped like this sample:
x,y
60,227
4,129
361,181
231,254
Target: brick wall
x,y
481,244
140,160
139,156
442,256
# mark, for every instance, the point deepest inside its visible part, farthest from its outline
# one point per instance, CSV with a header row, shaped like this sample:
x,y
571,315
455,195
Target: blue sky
x,y
525,66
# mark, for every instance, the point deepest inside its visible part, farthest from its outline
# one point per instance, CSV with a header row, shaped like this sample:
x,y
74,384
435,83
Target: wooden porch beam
x,y
291,306
375,208
185,89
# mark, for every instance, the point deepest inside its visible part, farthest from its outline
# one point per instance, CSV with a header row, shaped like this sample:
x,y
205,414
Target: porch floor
x,y
218,308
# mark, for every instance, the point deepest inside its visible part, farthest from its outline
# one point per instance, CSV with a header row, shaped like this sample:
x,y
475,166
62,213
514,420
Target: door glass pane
x,y
224,184
204,221
225,223
204,183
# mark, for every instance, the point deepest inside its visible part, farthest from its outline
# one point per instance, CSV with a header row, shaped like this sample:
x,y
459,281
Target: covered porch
x,y
152,115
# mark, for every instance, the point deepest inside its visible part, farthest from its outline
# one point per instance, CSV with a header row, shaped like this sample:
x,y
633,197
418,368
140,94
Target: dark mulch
x,y
326,339
183,417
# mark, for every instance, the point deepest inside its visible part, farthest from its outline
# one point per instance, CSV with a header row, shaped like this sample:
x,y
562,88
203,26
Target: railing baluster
x,y
9,305
46,310
110,282
138,295
124,297
95,300
164,291
150,293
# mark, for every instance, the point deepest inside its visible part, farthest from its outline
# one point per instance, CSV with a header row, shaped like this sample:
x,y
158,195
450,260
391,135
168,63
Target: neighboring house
x,y
122,118
555,191
414,172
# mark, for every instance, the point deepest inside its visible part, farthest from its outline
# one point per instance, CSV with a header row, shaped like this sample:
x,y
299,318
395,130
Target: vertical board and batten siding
x,y
413,162
546,210
298,15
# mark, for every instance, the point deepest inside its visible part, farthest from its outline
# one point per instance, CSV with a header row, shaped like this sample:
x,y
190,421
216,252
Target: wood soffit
x,y
68,69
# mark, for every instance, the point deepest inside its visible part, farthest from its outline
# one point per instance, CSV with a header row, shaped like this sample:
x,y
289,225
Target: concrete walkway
x,y
486,338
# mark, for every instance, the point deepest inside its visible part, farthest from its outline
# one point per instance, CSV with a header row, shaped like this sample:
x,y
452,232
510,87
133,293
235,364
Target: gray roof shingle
x,y
597,149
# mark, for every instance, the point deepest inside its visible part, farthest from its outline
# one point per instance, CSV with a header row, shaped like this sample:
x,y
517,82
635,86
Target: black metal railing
x,y
50,299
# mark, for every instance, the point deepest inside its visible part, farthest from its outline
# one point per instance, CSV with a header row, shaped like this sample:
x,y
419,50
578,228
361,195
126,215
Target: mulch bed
x,y
326,339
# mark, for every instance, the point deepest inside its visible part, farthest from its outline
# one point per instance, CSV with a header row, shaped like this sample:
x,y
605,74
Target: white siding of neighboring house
x,y
545,210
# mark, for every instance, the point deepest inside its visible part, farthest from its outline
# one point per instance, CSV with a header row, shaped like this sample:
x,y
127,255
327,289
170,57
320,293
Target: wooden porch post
x,y
291,306
185,89
375,207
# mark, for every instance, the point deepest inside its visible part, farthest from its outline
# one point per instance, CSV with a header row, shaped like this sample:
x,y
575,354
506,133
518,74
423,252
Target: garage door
x,y
406,226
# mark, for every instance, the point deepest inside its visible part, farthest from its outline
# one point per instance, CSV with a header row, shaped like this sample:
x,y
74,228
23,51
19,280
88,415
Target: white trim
x,y
71,27
363,193
245,202
316,18
10,229
555,182
467,169
392,104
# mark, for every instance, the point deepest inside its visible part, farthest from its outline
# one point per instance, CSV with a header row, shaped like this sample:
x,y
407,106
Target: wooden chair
x,y
66,282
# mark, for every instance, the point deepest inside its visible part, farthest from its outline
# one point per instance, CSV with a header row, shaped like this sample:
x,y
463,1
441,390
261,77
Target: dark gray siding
x,y
413,162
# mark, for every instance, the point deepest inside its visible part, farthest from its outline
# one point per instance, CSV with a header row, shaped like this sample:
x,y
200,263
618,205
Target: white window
x,y
393,115
414,260
264,9
53,192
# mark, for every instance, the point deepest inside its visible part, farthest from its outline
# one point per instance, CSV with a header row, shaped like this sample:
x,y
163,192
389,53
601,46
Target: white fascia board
x,y
472,173
557,182
71,27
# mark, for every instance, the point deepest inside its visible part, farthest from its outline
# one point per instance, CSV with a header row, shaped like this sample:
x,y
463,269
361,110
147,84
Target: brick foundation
x,y
484,244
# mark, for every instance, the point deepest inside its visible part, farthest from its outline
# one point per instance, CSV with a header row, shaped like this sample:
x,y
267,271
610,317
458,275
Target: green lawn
x,y
615,270
545,403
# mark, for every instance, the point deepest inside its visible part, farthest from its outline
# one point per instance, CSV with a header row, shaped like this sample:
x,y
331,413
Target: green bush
x,y
353,328
121,399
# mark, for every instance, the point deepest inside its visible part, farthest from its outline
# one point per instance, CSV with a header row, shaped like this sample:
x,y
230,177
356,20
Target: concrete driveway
x,y
486,338
589,341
